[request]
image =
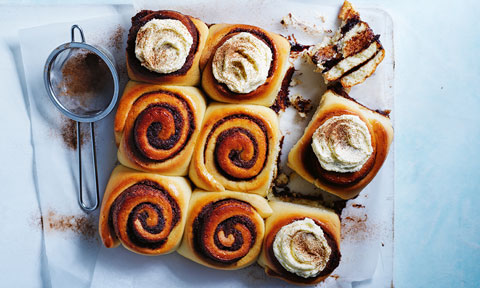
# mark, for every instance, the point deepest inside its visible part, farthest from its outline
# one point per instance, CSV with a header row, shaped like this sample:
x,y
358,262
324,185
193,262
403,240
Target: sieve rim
x,y
53,97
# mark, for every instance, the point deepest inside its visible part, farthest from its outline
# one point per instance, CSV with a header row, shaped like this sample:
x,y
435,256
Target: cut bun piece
x,y
352,54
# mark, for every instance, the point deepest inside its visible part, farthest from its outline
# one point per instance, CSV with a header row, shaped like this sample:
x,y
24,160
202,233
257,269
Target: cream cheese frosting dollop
x,y
162,45
301,248
342,144
242,63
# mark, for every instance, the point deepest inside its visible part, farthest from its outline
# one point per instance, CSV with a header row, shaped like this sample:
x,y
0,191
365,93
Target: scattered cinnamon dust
x,y
36,220
356,228
116,39
84,225
69,133
334,276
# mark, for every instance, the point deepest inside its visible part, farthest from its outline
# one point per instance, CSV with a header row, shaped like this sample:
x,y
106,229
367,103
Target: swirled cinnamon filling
x,y
163,129
240,146
224,231
144,215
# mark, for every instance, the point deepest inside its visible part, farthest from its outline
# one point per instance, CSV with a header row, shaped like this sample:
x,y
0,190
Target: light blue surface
x,y
437,102
437,235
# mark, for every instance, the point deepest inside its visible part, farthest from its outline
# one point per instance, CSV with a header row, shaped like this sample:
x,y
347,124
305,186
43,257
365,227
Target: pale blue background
x,y
437,103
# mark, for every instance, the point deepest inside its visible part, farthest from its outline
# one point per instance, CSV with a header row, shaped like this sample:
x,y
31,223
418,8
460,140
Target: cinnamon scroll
x,y
237,149
156,127
244,64
164,47
145,212
224,230
302,243
343,146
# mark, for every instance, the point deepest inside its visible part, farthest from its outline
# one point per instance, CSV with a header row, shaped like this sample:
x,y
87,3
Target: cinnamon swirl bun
x,y
343,146
224,230
244,64
145,212
164,47
156,127
301,244
236,149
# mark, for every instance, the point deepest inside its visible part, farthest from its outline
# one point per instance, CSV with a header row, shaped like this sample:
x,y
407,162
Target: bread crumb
x,y
291,20
302,105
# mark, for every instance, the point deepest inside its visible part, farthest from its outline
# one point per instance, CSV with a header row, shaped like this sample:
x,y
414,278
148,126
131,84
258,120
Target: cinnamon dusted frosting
x,y
162,45
301,248
242,63
342,144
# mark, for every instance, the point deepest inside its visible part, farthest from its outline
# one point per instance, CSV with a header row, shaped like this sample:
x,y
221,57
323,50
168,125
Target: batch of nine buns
x,y
165,131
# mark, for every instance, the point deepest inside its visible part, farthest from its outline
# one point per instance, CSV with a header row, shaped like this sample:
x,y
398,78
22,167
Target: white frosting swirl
x,y
301,248
342,144
242,63
162,45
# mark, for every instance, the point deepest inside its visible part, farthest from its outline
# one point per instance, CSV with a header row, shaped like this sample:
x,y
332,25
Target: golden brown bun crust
x,y
189,74
214,219
129,194
345,185
347,11
264,94
180,112
285,213
237,149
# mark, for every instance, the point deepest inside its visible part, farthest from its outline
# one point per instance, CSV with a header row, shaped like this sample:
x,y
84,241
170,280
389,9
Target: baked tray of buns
x,y
258,153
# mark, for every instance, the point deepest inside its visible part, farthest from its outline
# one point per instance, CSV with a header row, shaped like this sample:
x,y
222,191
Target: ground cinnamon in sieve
x,y
84,74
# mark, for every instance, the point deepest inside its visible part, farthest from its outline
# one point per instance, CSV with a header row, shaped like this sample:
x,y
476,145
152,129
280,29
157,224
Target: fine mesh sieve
x,y
82,82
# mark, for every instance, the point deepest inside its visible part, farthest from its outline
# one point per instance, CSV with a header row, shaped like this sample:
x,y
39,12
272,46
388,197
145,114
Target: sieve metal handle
x,y
82,204
79,30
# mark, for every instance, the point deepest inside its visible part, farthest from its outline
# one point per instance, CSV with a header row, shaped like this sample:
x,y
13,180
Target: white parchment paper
x,y
71,240
367,221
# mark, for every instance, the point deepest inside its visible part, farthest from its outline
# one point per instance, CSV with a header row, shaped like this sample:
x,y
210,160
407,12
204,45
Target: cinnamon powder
x,y
84,225
68,131
116,39
356,228
83,75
